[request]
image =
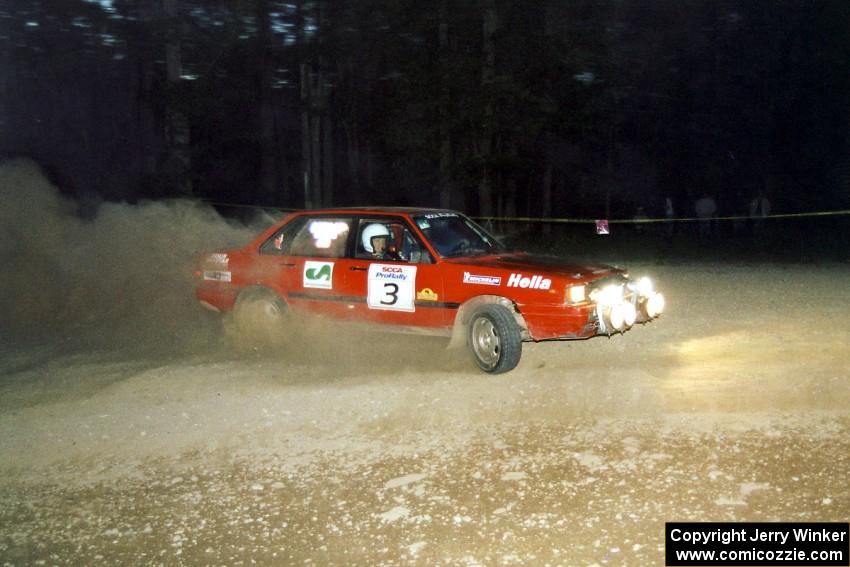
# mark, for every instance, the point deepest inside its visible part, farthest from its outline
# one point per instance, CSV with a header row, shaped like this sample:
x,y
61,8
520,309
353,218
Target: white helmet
x,y
370,232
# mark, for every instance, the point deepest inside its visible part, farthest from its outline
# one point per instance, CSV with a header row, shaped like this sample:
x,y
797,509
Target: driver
x,y
374,238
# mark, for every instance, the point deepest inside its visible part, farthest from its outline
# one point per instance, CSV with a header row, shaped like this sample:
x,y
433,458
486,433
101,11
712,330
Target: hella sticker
x,y
533,282
481,280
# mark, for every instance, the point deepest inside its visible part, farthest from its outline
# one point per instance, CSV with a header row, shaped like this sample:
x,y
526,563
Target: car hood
x,y
543,264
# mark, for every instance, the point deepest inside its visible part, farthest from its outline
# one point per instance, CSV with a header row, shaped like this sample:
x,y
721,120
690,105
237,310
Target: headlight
x,y
654,305
629,314
608,295
616,316
645,287
576,294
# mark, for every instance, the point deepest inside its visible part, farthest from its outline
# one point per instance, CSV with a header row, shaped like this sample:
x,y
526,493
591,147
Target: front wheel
x,y
494,339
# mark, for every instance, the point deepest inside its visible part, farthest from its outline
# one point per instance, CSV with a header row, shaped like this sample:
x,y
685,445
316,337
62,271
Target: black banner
x,y
761,544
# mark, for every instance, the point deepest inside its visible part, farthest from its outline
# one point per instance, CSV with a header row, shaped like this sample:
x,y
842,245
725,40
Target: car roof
x,y
373,210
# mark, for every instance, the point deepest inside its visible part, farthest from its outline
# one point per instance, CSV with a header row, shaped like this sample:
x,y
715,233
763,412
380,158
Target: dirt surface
x,y
133,434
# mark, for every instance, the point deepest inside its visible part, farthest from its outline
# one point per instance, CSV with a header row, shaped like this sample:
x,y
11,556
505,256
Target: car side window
x,y
320,237
389,239
280,243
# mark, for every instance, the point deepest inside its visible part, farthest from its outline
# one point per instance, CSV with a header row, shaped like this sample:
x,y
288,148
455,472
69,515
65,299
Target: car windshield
x,y
455,235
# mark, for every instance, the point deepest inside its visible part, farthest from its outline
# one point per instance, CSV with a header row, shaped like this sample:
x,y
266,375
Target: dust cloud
x,y
122,278
123,281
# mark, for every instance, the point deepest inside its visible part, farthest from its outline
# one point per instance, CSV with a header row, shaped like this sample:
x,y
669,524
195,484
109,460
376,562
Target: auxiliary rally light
x,y
645,287
621,316
629,314
654,305
616,317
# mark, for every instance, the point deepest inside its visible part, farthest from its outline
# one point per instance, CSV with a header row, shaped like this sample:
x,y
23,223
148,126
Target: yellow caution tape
x,y
559,220
662,220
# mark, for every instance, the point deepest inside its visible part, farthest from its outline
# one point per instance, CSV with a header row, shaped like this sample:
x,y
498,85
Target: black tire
x,y
494,339
258,320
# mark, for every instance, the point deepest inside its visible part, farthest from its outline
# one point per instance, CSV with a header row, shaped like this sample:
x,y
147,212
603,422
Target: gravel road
x,y
362,450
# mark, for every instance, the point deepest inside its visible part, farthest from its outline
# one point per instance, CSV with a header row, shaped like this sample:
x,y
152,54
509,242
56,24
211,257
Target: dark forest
x,y
496,107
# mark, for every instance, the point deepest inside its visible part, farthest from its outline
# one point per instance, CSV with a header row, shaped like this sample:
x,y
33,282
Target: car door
x,y
302,262
400,287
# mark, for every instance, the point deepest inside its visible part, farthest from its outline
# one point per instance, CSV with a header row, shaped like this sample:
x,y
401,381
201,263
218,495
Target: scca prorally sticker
x,y
481,280
533,282
318,275
217,275
392,287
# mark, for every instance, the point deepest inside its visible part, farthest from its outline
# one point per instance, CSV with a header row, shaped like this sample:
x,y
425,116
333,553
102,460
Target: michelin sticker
x,y
392,287
318,275
481,280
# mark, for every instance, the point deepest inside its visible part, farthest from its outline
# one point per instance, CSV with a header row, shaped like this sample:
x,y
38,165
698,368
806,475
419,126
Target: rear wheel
x,y
494,339
258,319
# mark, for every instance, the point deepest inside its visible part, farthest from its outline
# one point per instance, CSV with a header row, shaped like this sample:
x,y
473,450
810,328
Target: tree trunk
x,y
178,164
327,161
446,186
353,145
546,192
6,87
609,182
306,146
510,205
316,147
370,166
316,153
147,137
285,188
265,104
488,71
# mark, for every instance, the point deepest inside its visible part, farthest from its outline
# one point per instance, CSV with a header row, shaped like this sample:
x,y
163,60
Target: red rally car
x,y
423,270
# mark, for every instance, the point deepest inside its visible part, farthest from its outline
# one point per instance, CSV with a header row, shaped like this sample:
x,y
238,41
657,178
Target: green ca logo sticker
x,y
323,273
318,275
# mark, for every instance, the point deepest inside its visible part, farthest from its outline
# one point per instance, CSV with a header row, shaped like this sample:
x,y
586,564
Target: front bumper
x,y
622,303
619,304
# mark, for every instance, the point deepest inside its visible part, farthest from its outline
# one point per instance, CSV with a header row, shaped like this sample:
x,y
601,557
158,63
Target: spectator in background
x,y
706,209
640,219
669,214
759,210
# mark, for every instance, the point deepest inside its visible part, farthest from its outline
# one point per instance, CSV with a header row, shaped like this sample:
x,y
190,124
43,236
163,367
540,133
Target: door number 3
x,y
391,293
391,287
